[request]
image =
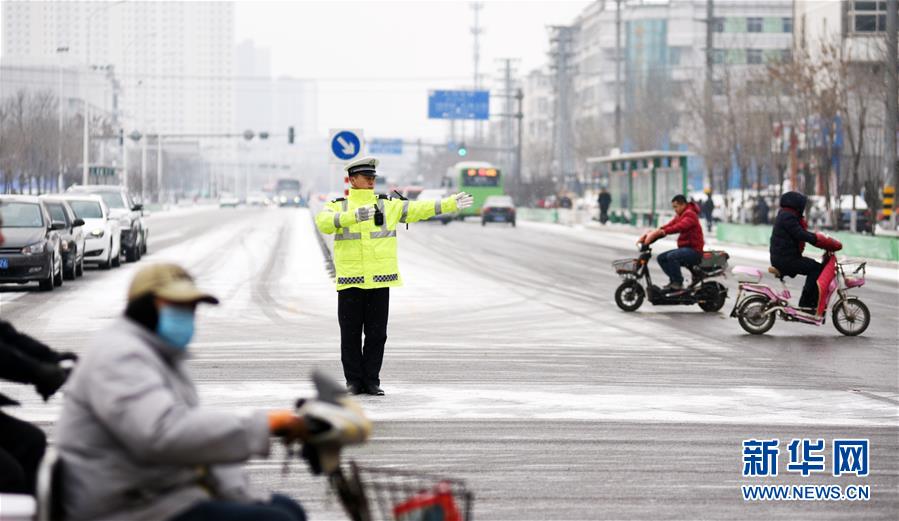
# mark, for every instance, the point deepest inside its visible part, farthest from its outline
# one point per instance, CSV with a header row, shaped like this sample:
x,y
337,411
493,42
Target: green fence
x,y
854,245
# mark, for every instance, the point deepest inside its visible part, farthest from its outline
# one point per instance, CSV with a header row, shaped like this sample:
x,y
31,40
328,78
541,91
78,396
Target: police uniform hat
x,y
365,166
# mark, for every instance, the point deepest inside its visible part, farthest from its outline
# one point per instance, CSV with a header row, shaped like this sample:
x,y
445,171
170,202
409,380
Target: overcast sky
x,y
376,60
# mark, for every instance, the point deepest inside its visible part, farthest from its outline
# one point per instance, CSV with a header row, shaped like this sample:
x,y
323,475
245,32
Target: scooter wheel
x,y
851,316
752,317
629,295
714,294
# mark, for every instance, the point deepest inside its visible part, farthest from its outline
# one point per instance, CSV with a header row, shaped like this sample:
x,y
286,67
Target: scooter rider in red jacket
x,y
689,243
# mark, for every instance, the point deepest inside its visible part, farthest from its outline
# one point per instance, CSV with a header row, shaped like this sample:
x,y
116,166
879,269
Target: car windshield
x,y
87,209
57,213
113,199
498,201
21,215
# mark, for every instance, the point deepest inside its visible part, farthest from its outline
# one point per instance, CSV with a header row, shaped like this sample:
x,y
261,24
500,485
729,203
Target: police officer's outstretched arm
x,y
333,217
413,211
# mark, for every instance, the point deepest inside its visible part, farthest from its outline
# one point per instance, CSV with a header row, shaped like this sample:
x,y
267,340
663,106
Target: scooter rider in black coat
x,y
788,238
25,360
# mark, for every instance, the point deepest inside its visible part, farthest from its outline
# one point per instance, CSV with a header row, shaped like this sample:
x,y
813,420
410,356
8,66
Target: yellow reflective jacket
x,y
364,253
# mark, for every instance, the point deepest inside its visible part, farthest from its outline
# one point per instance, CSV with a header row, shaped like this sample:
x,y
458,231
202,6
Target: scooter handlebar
x,y
827,243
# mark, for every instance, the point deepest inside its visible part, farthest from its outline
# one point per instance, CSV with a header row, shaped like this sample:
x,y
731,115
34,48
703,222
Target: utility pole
x,y
618,73
143,169
707,91
508,93
159,190
561,54
61,180
519,95
476,32
892,104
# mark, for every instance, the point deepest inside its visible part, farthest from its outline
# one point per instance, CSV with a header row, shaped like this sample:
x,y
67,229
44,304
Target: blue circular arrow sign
x,y
346,145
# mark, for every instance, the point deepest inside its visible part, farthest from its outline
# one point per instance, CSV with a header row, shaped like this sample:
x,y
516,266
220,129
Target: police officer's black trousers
x,y
22,447
362,311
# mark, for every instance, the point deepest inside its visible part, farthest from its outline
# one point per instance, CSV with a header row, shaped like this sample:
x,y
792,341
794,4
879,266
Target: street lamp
x,y
87,110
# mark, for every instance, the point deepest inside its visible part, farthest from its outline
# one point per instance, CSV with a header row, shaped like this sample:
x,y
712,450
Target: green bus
x,y
479,178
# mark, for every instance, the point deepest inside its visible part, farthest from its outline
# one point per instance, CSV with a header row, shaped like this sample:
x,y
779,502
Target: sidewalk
x,y
625,235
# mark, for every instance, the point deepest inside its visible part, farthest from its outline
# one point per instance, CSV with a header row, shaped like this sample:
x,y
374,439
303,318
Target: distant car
x,y
436,193
227,200
71,237
102,239
30,251
133,229
498,208
257,199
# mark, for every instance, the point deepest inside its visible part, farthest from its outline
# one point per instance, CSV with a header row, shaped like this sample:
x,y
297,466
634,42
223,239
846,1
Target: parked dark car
x,y
71,237
134,230
31,249
498,208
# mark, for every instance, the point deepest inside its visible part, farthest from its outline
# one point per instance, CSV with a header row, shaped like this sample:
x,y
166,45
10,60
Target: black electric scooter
x,y
710,295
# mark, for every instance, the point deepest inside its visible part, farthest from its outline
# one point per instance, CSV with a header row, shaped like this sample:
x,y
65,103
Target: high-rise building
x,y
663,59
173,61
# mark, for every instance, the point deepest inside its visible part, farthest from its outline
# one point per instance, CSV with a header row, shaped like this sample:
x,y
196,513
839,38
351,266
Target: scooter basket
x,y
395,495
625,266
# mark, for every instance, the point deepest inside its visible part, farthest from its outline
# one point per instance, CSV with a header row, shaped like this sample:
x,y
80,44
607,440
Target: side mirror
x,y
137,207
78,222
56,225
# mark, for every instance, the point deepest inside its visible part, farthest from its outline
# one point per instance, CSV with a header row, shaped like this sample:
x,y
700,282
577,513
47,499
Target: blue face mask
x,y
176,326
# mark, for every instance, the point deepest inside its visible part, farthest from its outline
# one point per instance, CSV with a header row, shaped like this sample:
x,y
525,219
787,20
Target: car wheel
x,y
47,284
143,245
72,273
139,252
131,253
109,259
79,272
57,279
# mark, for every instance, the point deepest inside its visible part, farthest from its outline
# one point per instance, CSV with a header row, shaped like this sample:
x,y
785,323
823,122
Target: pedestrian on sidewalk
x,y
708,210
365,260
604,200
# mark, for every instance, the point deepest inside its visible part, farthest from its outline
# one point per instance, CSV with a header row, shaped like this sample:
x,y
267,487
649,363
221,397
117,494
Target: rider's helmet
x,y
794,200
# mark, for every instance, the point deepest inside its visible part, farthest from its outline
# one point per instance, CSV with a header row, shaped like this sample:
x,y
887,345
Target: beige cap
x,y
169,282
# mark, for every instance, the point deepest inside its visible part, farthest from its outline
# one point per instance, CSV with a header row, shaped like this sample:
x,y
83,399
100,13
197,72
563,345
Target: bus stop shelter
x,y
642,184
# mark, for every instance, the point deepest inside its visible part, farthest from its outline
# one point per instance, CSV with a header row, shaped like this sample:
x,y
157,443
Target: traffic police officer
x,y
364,229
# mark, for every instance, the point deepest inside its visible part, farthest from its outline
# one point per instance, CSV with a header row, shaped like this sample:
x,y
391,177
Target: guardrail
x,y
855,245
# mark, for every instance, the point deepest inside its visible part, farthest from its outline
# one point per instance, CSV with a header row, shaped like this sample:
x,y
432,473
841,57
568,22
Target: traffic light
x,y
290,135
462,150
889,193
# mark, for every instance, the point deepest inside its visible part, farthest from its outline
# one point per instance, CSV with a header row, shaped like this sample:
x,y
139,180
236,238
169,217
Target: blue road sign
x,y
345,145
459,104
385,146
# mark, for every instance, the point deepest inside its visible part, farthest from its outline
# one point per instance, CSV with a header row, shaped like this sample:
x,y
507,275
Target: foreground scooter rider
x,y
788,238
134,442
27,361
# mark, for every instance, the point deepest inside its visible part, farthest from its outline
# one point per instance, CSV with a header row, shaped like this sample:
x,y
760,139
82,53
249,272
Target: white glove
x,y
364,213
463,200
343,424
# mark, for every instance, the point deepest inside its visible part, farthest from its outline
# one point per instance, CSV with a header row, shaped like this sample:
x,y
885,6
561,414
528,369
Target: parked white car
x,y
102,232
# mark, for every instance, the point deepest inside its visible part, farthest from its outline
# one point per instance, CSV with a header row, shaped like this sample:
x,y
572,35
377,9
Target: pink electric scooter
x,y
758,305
